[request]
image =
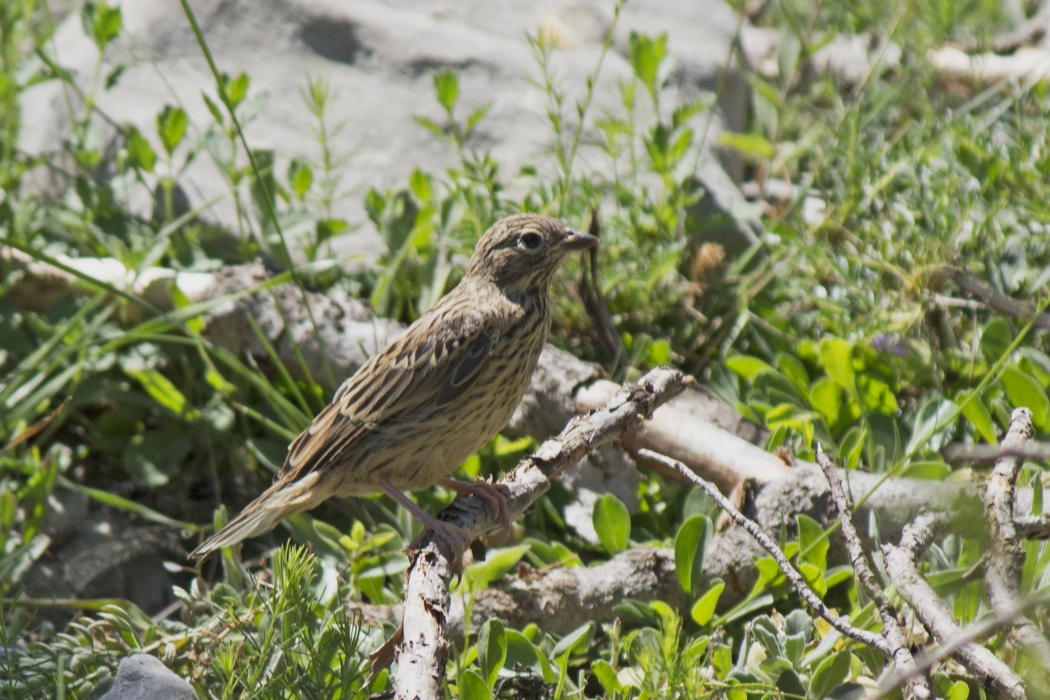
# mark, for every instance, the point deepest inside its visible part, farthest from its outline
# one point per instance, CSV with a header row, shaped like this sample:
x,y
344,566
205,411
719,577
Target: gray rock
x,y
144,677
379,57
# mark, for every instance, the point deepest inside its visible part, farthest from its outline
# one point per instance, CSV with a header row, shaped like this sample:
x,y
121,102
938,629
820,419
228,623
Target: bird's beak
x,y
578,241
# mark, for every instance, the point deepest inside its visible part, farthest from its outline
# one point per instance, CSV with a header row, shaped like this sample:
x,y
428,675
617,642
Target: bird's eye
x,y
531,241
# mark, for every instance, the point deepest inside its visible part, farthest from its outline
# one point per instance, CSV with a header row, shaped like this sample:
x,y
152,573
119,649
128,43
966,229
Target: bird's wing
x,y
433,362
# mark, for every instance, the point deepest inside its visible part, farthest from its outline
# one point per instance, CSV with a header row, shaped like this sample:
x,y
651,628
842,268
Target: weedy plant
x,y
848,329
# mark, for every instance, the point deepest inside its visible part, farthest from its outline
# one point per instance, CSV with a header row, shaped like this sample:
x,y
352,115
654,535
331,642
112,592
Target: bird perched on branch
x,y
432,397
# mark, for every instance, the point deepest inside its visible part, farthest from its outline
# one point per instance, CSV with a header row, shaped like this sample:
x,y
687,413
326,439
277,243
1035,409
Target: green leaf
x,y
497,562
300,177
612,522
521,651
690,548
446,87
746,366
790,684
171,127
606,675
931,418
492,650
927,470
705,607
826,398
837,357
996,339
960,690
977,413
471,687
235,89
102,23
140,152
164,392
476,116
812,542
1023,390
153,457
748,144
216,112
830,673
431,126
852,445
646,55
575,642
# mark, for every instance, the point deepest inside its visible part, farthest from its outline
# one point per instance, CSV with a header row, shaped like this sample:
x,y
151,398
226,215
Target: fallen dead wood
x,y
422,653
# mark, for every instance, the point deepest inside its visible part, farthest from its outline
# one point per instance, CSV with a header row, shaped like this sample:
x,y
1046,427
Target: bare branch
x,y
793,576
1002,576
917,685
956,453
902,566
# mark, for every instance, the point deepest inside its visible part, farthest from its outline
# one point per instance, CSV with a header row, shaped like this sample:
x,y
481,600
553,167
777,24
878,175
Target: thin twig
x,y
1002,577
917,685
995,675
793,576
957,453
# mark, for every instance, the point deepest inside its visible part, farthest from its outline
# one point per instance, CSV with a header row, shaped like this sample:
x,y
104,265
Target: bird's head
x,y
522,252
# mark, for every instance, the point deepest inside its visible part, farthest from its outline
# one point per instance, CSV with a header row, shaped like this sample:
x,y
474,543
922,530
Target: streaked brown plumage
x,y
434,395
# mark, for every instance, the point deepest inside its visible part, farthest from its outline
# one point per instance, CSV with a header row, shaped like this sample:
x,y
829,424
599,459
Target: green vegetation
x,y
848,328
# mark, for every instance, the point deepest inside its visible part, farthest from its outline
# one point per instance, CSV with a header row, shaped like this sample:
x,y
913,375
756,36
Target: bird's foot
x,y
456,537
495,494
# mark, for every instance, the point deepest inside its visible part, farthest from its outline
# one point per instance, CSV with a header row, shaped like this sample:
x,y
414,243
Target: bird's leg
x,y
457,537
495,494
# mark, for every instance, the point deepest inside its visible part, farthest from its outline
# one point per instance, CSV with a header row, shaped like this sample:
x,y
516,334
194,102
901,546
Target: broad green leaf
x,y
612,522
852,446
795,371
813,543
826,398
235,89
646,55
831,672
497,562
705,607
102,23
837,357
472,687
492,650
876,395
927,470
1023,390
931,418
151,458
521,651
996,339
978,414
575,642
606,675
790,684
960,690
690,548
746,366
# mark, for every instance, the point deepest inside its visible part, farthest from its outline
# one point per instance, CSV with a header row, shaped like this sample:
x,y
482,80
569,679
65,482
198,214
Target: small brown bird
x,y
434,395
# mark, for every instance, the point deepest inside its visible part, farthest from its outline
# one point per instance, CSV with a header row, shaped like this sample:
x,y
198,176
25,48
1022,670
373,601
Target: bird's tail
x,y
276,503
